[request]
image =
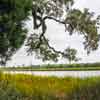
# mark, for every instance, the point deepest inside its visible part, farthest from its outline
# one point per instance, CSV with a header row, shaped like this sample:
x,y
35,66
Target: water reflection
x,y
80,74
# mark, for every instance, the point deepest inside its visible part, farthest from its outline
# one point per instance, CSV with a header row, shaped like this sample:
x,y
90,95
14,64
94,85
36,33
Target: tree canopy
x,y
12,33
74,20
13,13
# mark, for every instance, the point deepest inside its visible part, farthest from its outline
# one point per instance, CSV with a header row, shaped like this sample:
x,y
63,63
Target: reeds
x,y
28,87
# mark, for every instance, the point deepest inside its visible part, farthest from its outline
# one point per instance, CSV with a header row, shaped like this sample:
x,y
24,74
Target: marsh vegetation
x,y
28,87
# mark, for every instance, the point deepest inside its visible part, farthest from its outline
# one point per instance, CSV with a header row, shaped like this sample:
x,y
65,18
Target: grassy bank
x,y
27,87
50,69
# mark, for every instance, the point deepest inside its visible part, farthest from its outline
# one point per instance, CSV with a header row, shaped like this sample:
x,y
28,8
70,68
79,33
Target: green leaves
x,y
41,48
75,21
70,54
13,13
83,23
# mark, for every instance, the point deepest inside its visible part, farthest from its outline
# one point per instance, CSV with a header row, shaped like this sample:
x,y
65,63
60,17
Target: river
x,y
81,74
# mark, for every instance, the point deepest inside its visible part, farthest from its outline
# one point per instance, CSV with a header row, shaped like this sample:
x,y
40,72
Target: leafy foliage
x,y
85,24
70,54
13,13
74,20
43,51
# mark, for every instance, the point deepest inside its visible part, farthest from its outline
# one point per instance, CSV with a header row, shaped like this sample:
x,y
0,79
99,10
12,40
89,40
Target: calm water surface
x,y
80,74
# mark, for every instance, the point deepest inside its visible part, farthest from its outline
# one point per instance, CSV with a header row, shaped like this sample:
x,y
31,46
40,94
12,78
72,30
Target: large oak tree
x,y
13,13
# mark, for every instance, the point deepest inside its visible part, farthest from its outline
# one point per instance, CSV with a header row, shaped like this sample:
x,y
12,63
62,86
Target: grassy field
x,y
27,87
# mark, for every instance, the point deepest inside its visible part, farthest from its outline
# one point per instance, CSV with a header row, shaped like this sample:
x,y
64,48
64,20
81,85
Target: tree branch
x,y
52,18
52,48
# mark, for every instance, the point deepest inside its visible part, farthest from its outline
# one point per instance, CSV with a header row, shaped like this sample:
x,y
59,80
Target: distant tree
x,y
13,13
70,54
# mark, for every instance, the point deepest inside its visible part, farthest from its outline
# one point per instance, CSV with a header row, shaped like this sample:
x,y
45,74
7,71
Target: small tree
x,y
70,54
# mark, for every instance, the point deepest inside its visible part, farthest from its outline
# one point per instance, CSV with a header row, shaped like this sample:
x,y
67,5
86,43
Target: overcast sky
x,y
60,39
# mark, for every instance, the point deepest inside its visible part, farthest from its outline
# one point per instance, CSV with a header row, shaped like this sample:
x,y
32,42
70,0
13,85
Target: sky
x,y
60,40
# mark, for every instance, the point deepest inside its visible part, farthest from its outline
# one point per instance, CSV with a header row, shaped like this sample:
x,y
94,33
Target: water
x,y
81,74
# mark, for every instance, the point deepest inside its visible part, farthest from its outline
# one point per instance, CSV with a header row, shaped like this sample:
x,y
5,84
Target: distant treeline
x,y
47,66
68,65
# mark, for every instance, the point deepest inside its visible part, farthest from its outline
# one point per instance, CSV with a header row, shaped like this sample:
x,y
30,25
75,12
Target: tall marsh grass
x,y
28,87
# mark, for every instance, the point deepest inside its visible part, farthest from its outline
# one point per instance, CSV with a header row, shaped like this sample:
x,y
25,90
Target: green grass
x,y
52,69
28,87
